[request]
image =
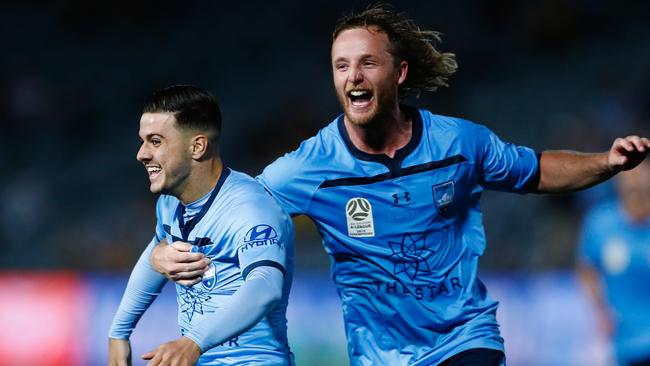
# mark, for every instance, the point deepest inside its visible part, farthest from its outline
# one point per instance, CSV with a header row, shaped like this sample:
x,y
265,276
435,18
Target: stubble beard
x,y
380,110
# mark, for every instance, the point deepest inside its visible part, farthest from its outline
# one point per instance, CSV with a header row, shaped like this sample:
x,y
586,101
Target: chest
x,y
413,201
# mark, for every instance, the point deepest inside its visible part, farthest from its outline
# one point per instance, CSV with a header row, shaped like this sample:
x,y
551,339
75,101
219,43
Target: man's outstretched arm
x,y
566,171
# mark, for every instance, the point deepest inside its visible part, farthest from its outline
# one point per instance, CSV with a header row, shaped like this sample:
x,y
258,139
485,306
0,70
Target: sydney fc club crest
x,y
209,279
443,196
358,213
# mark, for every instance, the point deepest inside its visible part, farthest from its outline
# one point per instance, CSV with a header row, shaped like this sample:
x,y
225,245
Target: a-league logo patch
x,y
358,213
209,279
443,196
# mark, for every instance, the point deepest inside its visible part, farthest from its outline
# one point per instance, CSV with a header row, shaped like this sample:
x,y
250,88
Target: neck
x,y
384,135
203,179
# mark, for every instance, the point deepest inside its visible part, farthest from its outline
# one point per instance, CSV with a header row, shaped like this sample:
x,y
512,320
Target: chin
x,y
361,118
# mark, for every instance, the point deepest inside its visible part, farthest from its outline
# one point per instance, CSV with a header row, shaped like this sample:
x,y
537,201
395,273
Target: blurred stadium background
x,y
76,210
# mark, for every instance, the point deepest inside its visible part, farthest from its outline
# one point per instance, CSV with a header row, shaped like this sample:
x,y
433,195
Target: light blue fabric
x,y
619,250
248,237
405,234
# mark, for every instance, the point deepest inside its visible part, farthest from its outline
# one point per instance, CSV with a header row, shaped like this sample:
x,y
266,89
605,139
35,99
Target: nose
x,y
355,76
143,154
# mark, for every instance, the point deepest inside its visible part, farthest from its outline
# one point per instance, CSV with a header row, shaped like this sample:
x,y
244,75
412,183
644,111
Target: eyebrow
x,y
365,56
150,135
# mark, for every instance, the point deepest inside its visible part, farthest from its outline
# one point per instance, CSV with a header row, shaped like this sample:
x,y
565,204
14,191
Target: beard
x,y
380,108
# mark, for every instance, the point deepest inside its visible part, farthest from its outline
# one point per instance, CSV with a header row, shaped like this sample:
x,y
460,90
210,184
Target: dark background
x,y
73,74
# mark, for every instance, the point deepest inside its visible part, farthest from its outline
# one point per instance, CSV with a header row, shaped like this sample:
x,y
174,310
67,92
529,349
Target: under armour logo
x,y
406,196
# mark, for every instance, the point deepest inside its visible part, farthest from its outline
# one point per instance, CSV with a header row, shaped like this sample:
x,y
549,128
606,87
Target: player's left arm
x,y
566,171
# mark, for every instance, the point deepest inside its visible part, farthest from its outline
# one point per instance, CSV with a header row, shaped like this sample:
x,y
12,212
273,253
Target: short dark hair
x,y
193,108
428,68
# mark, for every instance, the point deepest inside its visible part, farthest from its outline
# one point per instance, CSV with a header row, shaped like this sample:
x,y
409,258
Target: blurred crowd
x,y
547,74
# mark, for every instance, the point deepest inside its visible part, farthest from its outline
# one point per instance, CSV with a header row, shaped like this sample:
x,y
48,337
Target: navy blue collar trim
x,y
416,169
393,164
187,227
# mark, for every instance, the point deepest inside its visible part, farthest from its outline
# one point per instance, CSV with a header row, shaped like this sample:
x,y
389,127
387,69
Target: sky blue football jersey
x,y
405,234
240,227
620,251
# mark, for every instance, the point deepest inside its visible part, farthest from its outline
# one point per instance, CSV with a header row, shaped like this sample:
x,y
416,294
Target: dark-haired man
x,y
236,313
394,192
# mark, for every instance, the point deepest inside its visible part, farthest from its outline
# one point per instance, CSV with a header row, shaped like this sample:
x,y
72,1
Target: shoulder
x,y
245,194
455,134
438,122
311,156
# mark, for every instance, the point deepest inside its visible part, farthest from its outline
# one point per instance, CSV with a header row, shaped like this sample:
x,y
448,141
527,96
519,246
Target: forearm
x,y
142,289
568,171
247,306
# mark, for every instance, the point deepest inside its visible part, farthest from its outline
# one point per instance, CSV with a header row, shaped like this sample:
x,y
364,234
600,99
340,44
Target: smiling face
x,y
165,153
366,76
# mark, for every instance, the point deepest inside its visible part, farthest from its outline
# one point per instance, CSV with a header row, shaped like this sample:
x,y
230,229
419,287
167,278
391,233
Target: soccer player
x,y
614,264
236,313
394,191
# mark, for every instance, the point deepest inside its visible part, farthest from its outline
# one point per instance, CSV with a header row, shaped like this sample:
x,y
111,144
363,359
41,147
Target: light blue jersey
x,y
620,251
239,227
405,234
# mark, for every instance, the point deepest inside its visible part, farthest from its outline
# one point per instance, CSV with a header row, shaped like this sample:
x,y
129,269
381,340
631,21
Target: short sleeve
x,y
263,235
281,179
505,166
160,230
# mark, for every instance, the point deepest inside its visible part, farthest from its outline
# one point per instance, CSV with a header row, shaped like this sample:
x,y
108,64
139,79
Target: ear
x,y
199,146
402,72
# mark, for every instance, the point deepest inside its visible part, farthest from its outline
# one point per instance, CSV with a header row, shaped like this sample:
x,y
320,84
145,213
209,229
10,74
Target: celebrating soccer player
x,y
236,313
394,191
614,264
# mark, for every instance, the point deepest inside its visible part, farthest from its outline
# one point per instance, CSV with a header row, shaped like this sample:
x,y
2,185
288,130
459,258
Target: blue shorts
x,y
476,357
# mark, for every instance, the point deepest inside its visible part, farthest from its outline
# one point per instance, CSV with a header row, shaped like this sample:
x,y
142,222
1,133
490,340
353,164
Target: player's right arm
x,y
590,279
143,287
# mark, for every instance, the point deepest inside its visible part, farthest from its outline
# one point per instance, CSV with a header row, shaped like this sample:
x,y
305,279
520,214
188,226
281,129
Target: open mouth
x,y
153,171
360,98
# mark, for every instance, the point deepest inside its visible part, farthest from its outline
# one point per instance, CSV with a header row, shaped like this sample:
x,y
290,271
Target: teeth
x,y
153,169
358,93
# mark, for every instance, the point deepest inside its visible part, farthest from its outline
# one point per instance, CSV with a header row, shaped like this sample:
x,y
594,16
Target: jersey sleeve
x,y
504,166
262,236
145,284
250,303
281,178
143,287
160,230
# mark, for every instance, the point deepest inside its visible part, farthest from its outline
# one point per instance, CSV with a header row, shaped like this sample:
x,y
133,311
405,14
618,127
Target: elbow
x,y
273,297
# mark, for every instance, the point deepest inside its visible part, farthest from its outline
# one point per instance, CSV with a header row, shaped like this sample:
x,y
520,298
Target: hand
x,y
119,352
628,152
181,352
177,263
